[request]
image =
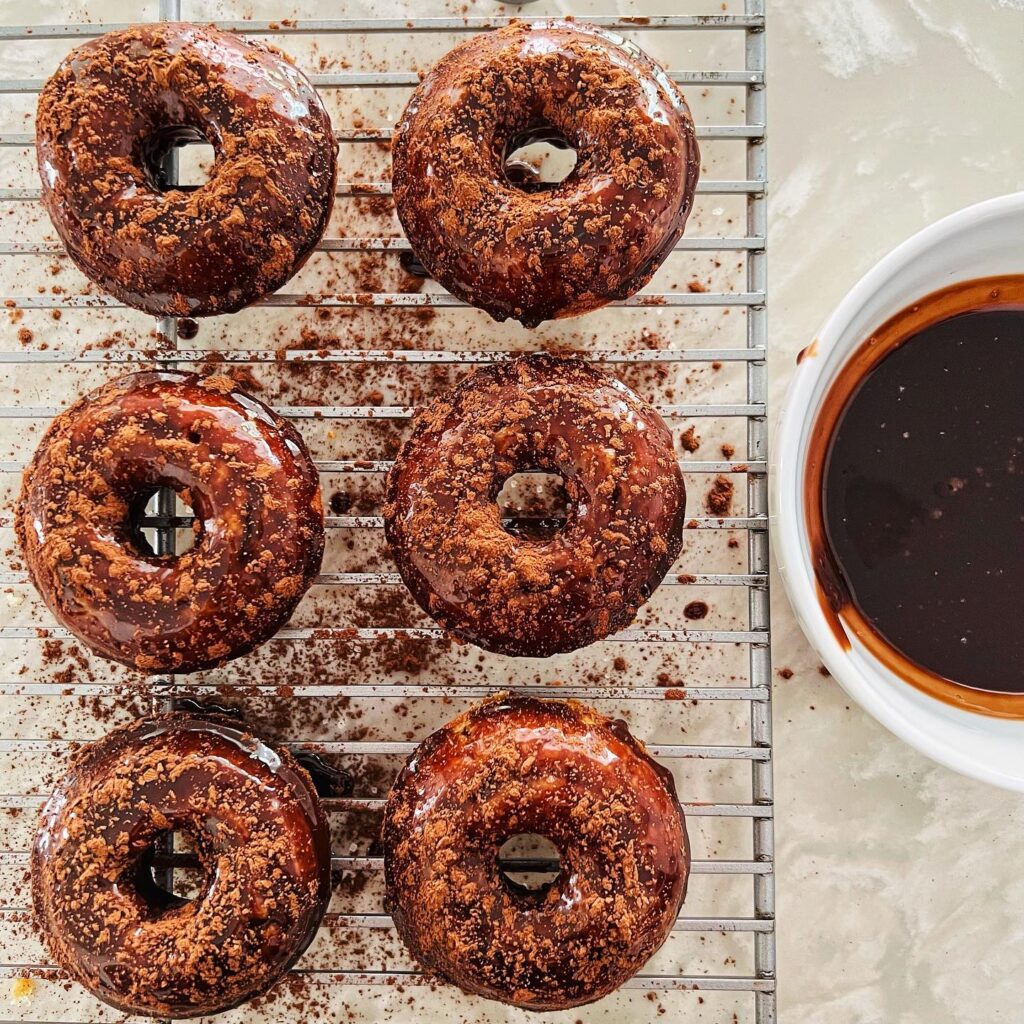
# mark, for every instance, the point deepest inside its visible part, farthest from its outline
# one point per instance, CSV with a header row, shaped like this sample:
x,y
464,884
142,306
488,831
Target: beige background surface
x,y
900,898
898,882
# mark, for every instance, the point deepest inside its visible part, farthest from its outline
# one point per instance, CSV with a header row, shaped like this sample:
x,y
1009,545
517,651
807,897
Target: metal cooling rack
x,y
743,770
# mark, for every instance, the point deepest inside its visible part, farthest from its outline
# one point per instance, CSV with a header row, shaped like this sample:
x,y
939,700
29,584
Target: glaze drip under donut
x,y
251,815
501,242
558,769
626,508
118,103
254,491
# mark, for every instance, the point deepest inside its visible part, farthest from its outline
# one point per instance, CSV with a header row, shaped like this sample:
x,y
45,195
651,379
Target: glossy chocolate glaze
x,y
535,597
924,494
528,253
913,495
251,814
254,491
117,103
516,765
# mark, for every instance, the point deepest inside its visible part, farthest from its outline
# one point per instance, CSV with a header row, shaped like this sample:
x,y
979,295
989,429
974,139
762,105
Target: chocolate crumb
x,y
689,439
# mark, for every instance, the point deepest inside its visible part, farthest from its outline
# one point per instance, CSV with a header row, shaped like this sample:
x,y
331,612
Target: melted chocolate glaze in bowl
x,y
915,494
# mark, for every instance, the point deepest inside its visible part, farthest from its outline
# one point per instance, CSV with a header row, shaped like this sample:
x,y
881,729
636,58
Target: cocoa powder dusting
x,y
689,439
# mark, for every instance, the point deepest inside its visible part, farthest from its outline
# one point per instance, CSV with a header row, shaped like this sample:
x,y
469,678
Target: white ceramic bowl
x,y
980,241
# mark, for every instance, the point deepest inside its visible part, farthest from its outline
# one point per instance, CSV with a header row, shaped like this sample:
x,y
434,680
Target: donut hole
x,y
411,264
533,505
328,779
168,873
177,157
529,864
539,158
163,523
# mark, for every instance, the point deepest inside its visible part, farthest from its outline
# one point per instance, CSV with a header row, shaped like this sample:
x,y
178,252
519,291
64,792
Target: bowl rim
x,y
787,521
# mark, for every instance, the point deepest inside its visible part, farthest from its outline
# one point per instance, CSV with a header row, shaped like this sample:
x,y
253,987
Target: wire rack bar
x,y
688,466
14,858
383,465
377,522
642,982
410,79
389,691
704,132
165,535
757,502
386,244
26,140
395,412
402,25
363,300
411,356
711,243
20,801
706,188
393,579
383,922
375,633
365,748
379,244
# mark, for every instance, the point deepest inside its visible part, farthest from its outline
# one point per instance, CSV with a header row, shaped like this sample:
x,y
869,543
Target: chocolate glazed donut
x,y
118,104
253,818
558,769
535,597
528,251
251,484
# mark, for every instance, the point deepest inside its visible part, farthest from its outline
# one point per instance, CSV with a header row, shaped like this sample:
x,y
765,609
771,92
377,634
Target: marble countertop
x,y
899,898
898,892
